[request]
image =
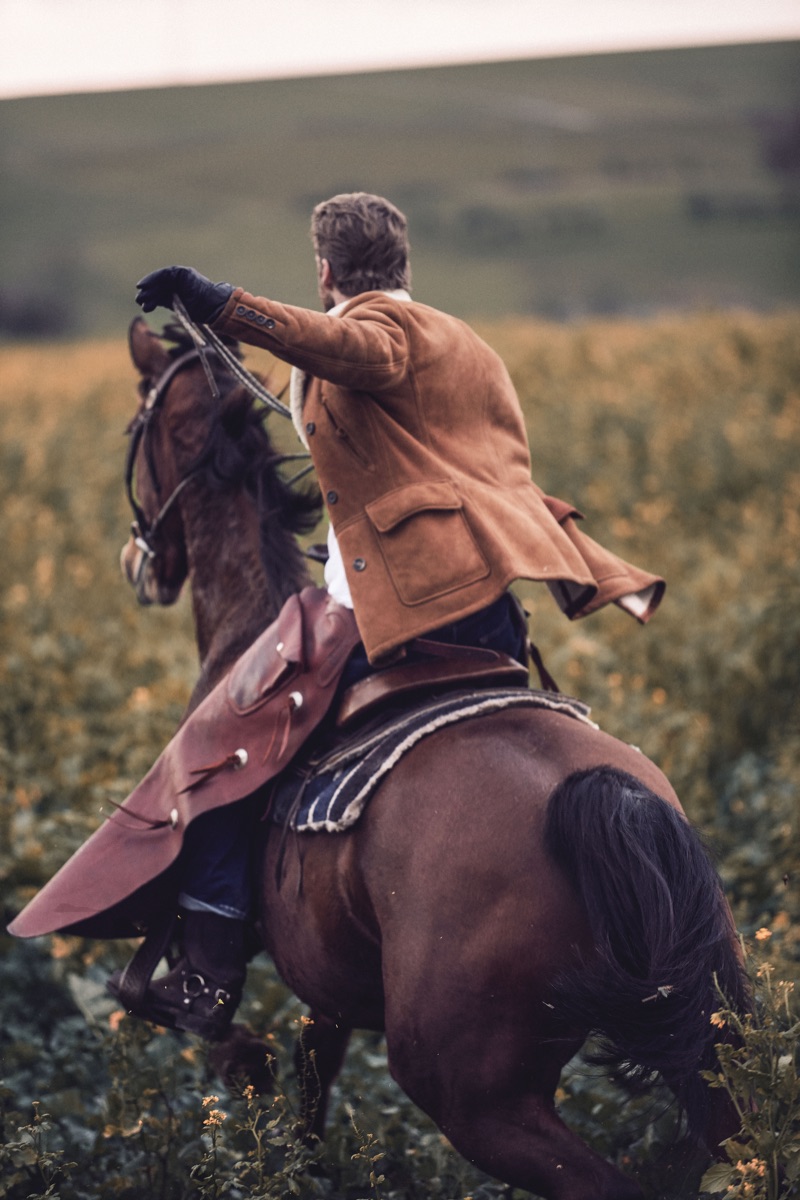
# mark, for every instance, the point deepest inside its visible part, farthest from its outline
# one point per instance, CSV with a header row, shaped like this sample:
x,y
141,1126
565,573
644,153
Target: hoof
x,y
243,1058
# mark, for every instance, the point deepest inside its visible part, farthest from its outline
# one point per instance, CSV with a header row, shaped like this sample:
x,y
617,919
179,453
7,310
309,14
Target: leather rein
x,y
145,532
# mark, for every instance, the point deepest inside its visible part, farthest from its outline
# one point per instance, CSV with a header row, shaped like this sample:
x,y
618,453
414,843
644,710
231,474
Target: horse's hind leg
x,y
318,1059
495,1103
524,1142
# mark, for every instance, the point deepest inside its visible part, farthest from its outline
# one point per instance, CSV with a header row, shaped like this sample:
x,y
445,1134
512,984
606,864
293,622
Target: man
x,y
420,448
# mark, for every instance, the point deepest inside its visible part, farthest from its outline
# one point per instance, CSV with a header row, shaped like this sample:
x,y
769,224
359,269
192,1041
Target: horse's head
x,y
203,480
154,560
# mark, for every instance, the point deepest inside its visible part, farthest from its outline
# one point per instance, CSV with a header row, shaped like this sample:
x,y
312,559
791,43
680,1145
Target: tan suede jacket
x,y
419,443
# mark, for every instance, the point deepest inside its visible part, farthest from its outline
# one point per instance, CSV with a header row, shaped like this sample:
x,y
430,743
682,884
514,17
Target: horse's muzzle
x,y
138,568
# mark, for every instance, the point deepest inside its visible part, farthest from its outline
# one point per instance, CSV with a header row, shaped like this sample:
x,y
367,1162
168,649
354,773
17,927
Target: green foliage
x,y
25,1158
758,1069
679,439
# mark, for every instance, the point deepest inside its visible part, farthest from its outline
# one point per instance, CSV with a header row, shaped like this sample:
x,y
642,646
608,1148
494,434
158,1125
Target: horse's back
x,y
446,872
486,783
463,814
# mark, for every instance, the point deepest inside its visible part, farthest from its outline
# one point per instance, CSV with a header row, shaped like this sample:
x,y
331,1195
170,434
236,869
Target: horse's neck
x,y
234,596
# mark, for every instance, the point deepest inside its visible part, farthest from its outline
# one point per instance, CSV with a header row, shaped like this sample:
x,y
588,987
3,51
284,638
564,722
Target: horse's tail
x,y
662,930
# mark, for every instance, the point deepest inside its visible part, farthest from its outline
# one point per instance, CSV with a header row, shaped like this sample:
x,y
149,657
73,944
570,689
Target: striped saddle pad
x,y
328,790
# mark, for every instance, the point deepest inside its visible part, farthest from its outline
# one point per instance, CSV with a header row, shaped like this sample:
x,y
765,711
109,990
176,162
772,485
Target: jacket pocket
x,y
343,436
426,542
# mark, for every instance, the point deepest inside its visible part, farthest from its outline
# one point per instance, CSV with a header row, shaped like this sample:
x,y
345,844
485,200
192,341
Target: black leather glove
x,y
202,299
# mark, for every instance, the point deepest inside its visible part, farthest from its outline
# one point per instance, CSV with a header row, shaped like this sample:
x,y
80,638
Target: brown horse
x,y
518,881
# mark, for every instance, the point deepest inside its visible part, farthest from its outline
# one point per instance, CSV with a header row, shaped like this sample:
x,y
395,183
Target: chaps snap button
x,y
359,564
311,428
332,497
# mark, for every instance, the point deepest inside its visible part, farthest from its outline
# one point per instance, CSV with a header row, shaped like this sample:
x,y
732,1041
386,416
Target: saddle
x,y
435,667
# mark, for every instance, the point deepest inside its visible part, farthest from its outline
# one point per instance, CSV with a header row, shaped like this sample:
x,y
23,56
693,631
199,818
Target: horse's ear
x,y
147,349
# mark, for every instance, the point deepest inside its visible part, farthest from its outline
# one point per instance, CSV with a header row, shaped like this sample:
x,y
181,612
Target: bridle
x,y
145,532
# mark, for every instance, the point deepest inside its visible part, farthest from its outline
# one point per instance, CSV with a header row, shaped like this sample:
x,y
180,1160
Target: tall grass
x,y
680,439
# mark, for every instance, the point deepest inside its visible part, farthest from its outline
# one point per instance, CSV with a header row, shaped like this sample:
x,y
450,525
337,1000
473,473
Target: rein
x,y
205,338
145,532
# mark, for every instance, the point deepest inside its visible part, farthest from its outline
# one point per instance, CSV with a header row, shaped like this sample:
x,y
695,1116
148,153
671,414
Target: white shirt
x,y
335,577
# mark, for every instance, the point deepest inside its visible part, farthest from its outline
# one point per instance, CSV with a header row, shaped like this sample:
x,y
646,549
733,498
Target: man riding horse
x,y
419,443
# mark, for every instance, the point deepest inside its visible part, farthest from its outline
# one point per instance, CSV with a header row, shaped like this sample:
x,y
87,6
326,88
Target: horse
x,y
518,881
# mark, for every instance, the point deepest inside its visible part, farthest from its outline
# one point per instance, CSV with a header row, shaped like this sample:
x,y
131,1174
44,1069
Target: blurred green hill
x,y
624,183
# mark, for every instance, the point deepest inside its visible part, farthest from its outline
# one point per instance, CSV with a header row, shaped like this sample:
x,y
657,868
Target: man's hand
x,y
202,299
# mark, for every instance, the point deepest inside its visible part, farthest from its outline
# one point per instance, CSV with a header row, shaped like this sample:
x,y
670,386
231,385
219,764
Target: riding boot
x,y
201,991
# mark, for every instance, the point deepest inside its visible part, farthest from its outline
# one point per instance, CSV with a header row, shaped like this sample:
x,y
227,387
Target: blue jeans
x,y
217,871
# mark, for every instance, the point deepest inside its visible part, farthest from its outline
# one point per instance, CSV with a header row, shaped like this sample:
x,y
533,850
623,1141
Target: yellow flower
x,y
718,1020
763,935
61,947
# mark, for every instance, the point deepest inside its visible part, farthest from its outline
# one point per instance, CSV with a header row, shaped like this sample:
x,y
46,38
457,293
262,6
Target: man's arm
x,y
365,348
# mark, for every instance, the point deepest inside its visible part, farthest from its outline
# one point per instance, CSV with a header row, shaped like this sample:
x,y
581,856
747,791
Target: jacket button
x,y
332,497
311,428
251,314
359,564
269,323
240,310
261,319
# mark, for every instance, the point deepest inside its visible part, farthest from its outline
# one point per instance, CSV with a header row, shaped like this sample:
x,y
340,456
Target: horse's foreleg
x,y
318,1059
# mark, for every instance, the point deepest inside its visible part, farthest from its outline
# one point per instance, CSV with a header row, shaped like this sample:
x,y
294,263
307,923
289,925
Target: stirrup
x,y
218,1003
130,985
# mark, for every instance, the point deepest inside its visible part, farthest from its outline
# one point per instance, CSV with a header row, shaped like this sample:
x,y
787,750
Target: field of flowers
x,y
680,440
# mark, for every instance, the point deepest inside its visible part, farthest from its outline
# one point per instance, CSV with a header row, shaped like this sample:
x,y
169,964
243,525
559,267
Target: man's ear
x,y
325,275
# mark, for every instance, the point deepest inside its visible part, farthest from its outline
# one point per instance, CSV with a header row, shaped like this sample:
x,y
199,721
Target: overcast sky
x,y
51,46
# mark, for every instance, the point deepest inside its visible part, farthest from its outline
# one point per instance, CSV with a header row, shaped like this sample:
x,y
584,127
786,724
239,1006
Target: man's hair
x,y
365,240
